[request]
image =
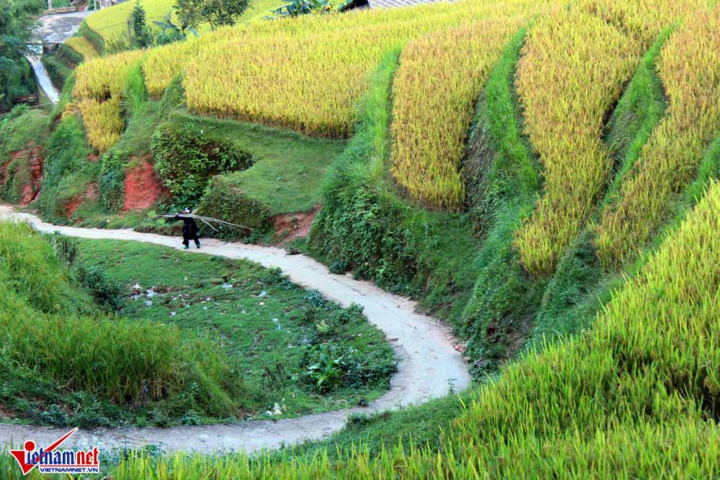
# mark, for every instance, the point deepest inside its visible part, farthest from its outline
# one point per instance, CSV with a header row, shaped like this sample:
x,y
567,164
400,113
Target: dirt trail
x,y
428,365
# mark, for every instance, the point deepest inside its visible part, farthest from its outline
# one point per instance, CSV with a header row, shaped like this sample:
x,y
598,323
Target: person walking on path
x,y
190,228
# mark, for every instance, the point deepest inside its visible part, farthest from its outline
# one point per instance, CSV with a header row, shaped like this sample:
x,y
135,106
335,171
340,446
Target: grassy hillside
x,y
543,175
92,366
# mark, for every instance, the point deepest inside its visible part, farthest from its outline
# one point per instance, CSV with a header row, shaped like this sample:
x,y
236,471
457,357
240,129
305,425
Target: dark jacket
x,y
190,228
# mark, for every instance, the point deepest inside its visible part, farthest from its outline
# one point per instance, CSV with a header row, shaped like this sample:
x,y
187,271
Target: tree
x,y
16,24
217,13
141,33
170,32
306,7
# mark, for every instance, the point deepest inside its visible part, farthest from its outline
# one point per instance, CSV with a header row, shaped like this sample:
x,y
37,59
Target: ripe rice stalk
x,y
435,89
99,91
689,67
83,47
573,68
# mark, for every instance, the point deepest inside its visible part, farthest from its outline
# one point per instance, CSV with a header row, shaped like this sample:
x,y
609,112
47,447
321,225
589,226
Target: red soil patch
x,y
32,189
30,162
290,226
91,193
142,187
3,171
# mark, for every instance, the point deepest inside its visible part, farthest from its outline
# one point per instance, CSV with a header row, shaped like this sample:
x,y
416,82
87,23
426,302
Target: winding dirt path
x,y
428,365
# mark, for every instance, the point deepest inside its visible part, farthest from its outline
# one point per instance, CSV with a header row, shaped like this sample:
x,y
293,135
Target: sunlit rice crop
x,y
690,69
435,89
307,74
573,68
99,91
82,46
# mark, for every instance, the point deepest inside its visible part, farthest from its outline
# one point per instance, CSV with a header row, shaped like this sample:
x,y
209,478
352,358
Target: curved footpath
x,y
428,365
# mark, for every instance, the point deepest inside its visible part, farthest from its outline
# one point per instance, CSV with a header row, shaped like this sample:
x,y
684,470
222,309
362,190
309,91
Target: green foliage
x,y
46,327
135,92
504,176
187,159
170,32
141,35
19,128
68,171
93,37
56,69
289,168
326,366
218,13
112,180
364,227
21,151
69,57
226,202
16,23
359,224
297,8
258,313
108,294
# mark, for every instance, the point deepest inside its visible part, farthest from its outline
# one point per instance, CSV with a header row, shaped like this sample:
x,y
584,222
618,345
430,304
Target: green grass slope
x,y
96,368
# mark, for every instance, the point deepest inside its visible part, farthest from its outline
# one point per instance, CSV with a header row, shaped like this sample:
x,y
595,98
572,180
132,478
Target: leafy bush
x,y
112,180
228,203
56,69
187,159
325,365
331,365
107,293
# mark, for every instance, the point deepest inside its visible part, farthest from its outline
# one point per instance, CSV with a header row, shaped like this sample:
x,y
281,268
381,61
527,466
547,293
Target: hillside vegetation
x,y
542,175
53,330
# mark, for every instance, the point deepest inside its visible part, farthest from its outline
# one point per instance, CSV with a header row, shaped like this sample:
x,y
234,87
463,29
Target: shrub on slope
x,y
689,68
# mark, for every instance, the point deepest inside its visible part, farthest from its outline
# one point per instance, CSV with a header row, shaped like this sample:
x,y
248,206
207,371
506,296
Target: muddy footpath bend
x,y
428,365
